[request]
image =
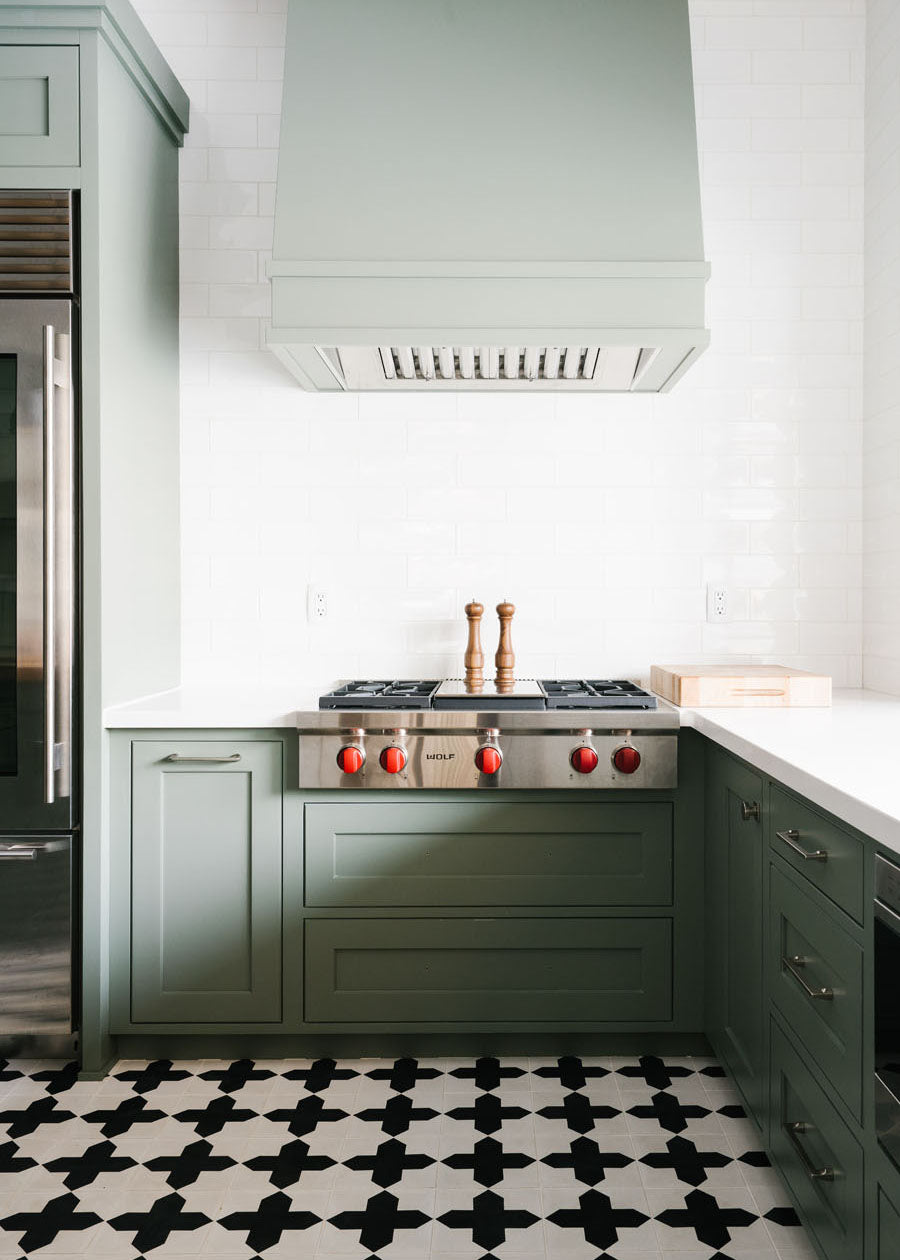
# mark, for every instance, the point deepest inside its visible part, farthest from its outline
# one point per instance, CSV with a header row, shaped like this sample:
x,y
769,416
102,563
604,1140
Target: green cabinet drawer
x,y
816,1153
810,957
488,971
827,855
39,105
888,1228
206,881
363,853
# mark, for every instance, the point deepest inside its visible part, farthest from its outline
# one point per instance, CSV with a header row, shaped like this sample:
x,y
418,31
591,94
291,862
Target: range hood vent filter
x,y
491,367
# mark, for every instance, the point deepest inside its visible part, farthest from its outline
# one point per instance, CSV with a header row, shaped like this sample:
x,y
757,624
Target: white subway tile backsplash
x,y
602,517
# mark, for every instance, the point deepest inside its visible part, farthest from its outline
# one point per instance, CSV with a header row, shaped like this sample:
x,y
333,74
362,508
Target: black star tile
x,y
145,1080
8,1073
184,1169
488,1161
756,1159
151,1229
734,1111
688,1163
668,1112
11,1161
404,1075
487,1073
783,1216
119,1120
488,1220
288,1165
236,1075
23,1121
389,1163
703,1215
597,1219
39,1229
58,1079
84,1169
214,1116
272,1218
579,1112
654,1072
488,1113
380,1220
306,1116
713,1070
318,1077
571,1072
397,1114
587,1161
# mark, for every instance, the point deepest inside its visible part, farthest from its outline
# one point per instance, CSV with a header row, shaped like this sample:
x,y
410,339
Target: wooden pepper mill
x,y
505,660
474,658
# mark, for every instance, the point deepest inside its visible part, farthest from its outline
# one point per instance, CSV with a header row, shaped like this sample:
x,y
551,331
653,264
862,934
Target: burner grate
x,y
374,694
605,693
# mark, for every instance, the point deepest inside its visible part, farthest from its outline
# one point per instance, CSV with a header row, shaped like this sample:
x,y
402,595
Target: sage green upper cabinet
x,y
735,881
206,881
39,105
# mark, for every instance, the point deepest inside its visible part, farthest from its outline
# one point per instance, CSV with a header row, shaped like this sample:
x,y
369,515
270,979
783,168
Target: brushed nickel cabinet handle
x,y
791,838
750,811
17,853
178,758
794,1130
792,967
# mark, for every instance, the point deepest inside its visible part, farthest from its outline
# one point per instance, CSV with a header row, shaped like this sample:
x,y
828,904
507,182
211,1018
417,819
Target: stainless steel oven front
x,y
887,1005
37,563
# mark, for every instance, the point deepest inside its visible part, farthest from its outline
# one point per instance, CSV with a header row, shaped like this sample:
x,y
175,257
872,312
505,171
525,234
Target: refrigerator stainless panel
x,y
36,936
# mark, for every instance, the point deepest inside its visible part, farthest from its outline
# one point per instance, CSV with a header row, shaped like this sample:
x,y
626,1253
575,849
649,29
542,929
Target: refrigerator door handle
x,y
58,563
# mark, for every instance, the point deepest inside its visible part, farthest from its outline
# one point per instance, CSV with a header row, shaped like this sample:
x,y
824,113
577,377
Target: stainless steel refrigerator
x,y
38,624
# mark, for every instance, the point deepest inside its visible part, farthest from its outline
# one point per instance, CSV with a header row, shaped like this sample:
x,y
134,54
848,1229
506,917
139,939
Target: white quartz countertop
x,y
846,758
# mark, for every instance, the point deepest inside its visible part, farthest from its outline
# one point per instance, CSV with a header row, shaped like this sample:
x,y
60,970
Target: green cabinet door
x,y
735,856
888,1228
39,105
206,881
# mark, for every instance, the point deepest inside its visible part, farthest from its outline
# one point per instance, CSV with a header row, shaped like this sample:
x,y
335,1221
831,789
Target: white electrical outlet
x,y
716,603
316,604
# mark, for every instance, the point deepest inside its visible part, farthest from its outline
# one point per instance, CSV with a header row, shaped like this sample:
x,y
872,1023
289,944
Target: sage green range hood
x,y
488,194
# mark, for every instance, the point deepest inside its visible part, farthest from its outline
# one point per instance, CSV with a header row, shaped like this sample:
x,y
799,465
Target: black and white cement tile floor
x,y
525,1159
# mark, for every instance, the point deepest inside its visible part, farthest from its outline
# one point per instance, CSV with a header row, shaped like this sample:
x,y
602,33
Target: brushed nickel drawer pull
x,y
791,837
17,853
794,1130
178,758
792,967
750,811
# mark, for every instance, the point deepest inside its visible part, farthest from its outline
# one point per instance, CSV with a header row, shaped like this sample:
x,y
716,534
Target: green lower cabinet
x,y
815,980
816,1153
206,882
488,971
734,892
415,853
888,1228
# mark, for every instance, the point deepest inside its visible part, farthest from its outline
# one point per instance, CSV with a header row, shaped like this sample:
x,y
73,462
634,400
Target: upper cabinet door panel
x,y
206,882
39,105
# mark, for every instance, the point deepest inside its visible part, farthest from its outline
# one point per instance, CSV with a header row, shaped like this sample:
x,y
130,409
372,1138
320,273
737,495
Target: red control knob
x,y
351,759
584,760
626,760
488,760
393,760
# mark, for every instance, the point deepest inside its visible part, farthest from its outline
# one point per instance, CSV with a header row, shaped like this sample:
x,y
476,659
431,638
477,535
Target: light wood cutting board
x,y
740,686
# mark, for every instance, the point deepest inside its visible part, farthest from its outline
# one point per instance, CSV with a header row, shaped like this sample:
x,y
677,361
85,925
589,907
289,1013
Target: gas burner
x,y
524,694
399,694
606,693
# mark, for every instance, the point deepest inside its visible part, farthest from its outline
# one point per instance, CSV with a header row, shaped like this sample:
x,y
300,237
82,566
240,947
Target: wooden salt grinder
x,y
474,658
505,660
